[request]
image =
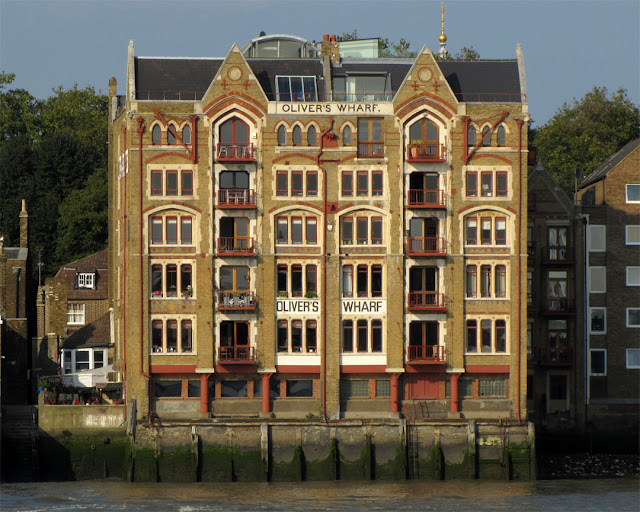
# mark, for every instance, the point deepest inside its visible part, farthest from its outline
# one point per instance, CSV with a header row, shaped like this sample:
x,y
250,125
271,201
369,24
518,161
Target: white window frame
x,y
68,359
592,230
604,330
603,350
627,318
626,192
634,270
629,228
86,280
627,364
304,93
604,271
78,316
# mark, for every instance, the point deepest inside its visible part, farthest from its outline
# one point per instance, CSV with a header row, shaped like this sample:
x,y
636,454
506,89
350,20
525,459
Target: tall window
x,y
368,280
501,136
486,336
346,136
362,336
296,88
75,314
471,136
172,336
234,138
296,230
296,136
282,135
311,136
370,139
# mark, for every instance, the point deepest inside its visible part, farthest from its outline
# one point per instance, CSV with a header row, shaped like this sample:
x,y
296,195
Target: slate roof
x,y
609,164
189,78
16,253
95,334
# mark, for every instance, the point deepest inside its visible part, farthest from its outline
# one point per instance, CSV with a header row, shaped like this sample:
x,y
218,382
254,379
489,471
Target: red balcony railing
x,y
558,255
425,301
426,199
559,306
240,354
235,152
426,354
424,246
239,301
236,245
370,149
426,153
236,198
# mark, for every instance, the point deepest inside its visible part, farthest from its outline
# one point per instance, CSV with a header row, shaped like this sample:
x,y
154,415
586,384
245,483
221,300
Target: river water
x,y
114,494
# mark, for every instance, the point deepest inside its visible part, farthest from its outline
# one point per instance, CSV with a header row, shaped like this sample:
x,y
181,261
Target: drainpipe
x,y
124,278
519,232
323,355
141,319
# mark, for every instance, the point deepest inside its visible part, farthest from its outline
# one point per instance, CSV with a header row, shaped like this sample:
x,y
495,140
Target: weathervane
x,y
442,53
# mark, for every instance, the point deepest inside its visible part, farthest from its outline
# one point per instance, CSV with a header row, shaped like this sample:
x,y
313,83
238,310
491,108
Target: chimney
x,y
24,226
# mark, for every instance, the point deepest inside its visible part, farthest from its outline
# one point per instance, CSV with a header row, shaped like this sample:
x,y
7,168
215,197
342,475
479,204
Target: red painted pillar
x,y
394,392
454,391
204,392
266,403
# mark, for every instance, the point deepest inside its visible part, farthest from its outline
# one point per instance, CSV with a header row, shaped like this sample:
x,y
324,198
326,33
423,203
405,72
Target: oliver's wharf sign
x,y
331,108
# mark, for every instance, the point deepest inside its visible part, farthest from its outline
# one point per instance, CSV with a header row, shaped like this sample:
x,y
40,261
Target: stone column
x,y
204,392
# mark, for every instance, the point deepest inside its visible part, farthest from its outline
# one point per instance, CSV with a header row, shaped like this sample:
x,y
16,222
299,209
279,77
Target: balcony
x,y
370,149
236,198
426,153
531,249
532,305
235,152
426,354
554,356
236,301
559,306
425,301
426,199
558,255
422,246
239,354
236,246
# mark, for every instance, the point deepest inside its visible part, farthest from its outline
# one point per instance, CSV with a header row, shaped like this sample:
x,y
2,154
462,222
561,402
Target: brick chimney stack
x,y
24,226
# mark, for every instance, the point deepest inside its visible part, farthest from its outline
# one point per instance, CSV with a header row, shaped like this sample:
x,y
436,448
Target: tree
x,y
467,53
583,134
18,110
386,48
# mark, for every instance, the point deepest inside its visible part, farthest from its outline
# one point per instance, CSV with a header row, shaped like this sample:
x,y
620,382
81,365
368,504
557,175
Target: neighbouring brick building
x,y
302,234
15,275
609,199
74,327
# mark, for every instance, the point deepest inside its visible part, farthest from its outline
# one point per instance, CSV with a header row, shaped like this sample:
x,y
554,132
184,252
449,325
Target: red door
x,y
424,386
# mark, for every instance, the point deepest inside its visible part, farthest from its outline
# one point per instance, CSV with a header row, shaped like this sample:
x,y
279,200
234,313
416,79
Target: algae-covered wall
x,y
291,451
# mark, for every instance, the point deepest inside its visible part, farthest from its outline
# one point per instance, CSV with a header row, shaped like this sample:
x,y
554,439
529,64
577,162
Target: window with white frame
x,y
362,184
174,279
597,279
75,314
297,336
633,358
297,280
633,276
632,193
362,335
361,280
362,229
486,281
597,238
175,228
78,360
632,235
296,88
86,280
486,229
168,183
486,336
597,320
299,228
481,183
598,362
633,317
172,335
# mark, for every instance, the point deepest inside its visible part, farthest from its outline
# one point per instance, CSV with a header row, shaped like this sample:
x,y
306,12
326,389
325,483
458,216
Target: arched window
x,y
282,135
297,136
346,136
471,136
156,135
425,133
501,136
486,141
311,136
234,138
186,135
171,134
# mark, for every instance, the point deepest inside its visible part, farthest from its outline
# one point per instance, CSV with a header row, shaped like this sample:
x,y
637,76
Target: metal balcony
x,y
243,354
425,301
235,152
423,246
236,198
426,199
236,246
426,153
236,301
425,354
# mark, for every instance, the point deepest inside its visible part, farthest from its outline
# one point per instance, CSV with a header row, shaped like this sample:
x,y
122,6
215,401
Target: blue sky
x,y
569,46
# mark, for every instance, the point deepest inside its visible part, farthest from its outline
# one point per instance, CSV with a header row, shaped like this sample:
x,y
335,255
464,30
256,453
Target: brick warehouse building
x,y
299,234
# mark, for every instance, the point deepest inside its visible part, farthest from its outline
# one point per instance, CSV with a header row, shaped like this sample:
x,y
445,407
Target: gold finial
x,y
442,38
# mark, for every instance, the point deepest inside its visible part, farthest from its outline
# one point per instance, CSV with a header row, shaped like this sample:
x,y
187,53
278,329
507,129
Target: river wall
x,y
85,442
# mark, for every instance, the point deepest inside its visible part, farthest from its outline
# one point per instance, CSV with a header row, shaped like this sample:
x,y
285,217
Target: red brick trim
x,y
363,368
488,368
293,368
172,368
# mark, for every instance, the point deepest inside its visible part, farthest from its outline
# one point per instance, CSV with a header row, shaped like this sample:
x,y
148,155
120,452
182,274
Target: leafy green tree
x,y
386,48
18,110
465,53
82,223
583,134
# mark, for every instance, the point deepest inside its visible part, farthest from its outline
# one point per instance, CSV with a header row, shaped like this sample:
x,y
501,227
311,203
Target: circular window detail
x,y
425,74
235,73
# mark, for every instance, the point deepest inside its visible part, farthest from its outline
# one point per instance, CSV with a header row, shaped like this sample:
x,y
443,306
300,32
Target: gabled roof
x,y
183,78
91,263
610,164
95,334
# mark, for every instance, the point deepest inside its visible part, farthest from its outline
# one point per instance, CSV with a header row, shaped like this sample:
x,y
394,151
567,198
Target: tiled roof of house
x,y
95,334
610,164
